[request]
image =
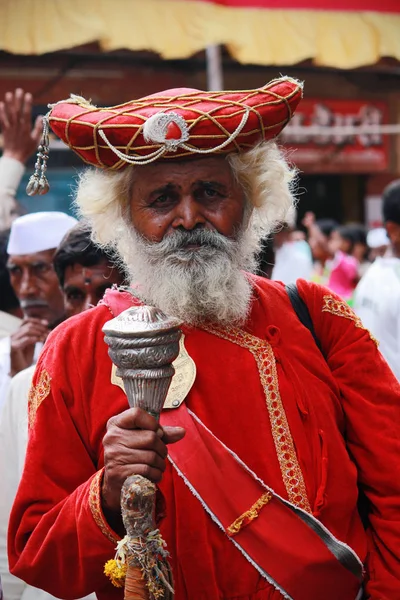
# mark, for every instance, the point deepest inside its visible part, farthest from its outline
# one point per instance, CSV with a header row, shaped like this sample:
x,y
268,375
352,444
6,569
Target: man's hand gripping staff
x,y
143,342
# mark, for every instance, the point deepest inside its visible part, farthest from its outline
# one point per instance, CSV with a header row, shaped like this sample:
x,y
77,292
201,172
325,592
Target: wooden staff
x,y
143,342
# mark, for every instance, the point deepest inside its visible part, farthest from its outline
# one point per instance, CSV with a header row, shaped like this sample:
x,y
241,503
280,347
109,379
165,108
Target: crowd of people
x,y
361,266
189,237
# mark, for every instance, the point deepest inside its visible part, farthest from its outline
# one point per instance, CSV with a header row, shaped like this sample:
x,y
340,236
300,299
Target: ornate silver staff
x,y
143,342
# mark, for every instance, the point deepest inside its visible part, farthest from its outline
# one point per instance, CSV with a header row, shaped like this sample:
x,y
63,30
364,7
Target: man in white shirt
x,y
377,297
10,311
31,247
84,273
293,258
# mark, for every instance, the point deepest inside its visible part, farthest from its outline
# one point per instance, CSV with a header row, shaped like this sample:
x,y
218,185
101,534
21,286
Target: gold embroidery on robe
x,y
263,354
37,394
95,508
341,309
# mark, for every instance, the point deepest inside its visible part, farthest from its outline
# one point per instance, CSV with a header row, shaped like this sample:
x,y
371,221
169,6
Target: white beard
x,y
195,285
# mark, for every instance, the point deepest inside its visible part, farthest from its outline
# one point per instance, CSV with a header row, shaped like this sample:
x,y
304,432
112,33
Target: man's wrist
x,y
113,517
11,172
15,155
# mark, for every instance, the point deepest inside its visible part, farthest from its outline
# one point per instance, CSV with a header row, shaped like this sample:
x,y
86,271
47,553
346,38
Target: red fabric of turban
x,y
174,124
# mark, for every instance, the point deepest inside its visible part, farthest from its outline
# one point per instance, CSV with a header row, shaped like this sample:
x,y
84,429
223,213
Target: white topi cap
x,y
38,231
377,238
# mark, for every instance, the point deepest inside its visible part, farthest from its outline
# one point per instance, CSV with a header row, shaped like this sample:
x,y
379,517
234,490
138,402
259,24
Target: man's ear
x,y
393,231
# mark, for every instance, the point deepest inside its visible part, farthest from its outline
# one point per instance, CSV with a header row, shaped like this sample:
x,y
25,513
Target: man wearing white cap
x,y
32,243
378,242
84,272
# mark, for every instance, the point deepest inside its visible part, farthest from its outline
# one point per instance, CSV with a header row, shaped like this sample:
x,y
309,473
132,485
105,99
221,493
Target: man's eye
x,y
42,268
211,193
14,271
163,199
74,297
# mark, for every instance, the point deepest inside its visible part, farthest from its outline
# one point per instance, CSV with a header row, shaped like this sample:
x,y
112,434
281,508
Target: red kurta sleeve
x,y
58,537
371,403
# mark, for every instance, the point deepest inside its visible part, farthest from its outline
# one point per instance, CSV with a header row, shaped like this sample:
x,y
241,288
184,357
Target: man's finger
x,y
18,103
26,110
35,320
4,122
9,107
141,440
154,475
145,457
25,341
31,329
135,418
37,130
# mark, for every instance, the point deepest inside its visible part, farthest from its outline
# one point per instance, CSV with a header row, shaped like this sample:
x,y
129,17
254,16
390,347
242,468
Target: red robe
x,y
343,425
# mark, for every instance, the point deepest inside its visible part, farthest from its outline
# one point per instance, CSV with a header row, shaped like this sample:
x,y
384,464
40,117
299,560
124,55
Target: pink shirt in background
x,y
343,275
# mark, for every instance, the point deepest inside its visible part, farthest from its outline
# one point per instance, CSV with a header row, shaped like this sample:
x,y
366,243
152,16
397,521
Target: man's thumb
x,y
173,434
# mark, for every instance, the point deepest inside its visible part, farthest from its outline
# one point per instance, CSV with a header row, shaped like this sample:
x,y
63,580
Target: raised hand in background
x,y
20,139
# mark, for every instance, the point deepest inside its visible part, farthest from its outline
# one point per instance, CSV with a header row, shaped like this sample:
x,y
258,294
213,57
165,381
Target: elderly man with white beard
x,y
260,460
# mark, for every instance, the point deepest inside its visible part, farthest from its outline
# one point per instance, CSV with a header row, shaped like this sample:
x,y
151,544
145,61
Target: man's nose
x,y
88,302
27,285
188,214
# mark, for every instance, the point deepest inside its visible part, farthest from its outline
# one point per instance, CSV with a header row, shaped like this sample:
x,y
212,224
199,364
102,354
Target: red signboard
x,y
324,150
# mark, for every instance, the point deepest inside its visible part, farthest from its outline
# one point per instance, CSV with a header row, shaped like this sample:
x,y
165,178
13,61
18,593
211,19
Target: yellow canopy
x,y
178,29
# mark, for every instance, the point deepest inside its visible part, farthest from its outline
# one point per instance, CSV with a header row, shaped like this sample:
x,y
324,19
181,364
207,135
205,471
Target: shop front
x,y
338,145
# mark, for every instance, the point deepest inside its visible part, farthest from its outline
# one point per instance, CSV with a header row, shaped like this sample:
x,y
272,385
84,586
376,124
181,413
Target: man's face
x,y
186,195
36,285
85,286
393,231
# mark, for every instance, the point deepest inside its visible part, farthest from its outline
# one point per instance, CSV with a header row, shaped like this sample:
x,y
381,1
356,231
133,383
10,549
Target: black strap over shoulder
x,y
304,317
301,311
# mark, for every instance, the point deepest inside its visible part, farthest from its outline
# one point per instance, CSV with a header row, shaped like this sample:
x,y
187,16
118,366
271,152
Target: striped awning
x,y
344,34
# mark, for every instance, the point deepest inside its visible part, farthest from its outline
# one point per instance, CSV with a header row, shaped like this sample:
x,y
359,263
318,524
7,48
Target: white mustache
x,y
31,303
180,240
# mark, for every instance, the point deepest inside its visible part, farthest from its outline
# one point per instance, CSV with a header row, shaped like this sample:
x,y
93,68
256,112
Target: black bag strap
x,y
302,312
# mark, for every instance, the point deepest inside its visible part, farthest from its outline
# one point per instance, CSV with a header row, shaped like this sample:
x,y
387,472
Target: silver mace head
x,y
143,343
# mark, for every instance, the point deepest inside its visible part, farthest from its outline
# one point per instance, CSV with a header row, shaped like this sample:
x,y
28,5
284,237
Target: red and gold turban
x,y
176,123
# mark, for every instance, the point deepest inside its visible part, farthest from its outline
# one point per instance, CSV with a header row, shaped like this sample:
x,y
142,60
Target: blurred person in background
x,y
377,297
10,310
84,270
31,247
343,265
318,233
293,258
84,273
360,250
377,242
20,141
332,247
